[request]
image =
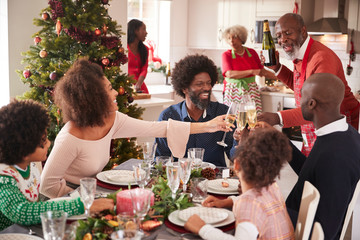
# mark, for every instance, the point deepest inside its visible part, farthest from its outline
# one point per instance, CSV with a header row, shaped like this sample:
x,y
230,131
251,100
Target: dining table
x,y
167,230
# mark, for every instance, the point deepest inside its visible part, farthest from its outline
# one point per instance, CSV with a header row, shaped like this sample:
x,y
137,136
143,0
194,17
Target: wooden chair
x,y
309,202
350,210
317,233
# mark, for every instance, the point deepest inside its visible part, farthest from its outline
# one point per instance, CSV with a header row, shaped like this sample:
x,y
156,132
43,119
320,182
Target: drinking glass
x,y
87,193
197,156
53,224
149,149
230,118
141,199
185,171
199,188
241,117
172,173
250,108
164,160
141,173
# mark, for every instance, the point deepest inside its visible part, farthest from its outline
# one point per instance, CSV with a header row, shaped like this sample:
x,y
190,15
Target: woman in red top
x,y
239,66
138,53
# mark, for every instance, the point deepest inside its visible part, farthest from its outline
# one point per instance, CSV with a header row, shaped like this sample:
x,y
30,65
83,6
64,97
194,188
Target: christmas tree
x,y
71,29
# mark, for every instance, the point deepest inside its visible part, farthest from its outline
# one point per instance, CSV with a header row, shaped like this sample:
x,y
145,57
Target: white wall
x,y
20,24
4,50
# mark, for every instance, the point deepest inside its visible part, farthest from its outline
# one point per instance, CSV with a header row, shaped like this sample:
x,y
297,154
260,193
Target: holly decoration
x,y
121,90
45,16
43,53
53,76
37,40
97,32
105,61
26,73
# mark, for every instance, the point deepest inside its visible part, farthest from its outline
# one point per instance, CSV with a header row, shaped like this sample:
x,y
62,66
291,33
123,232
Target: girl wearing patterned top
x,y
23,142
260,210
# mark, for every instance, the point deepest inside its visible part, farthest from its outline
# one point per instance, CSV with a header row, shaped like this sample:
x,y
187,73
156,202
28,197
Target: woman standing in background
x,y
138,53
239,66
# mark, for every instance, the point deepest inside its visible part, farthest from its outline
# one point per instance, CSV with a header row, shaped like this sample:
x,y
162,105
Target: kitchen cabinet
x,y
273,8
207,19
354,24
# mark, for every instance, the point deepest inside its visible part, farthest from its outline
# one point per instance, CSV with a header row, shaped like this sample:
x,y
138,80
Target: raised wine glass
x,y
230,118
87,193
185,171
241,118
173,177
250,108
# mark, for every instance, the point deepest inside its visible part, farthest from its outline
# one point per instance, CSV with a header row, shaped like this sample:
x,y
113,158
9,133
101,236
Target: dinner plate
x,y
174,218
216,185
207,165
207,214
117,177
18,236
74,217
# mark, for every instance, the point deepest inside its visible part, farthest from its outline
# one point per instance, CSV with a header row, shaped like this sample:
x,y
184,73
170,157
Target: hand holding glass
x,y
230,118
251,113
87,193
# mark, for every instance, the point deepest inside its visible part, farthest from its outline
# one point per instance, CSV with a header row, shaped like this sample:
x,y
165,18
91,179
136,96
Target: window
x,y
156,16
4,49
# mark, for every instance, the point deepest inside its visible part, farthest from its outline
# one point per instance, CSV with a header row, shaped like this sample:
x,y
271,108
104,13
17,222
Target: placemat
x,y
109,186
179,229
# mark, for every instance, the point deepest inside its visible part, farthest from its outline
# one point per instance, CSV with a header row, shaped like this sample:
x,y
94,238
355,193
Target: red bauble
x,y
121,90
37,40
26,73
121,50
43,53
97,32
53,76
45,16
130,99
105,61
104,1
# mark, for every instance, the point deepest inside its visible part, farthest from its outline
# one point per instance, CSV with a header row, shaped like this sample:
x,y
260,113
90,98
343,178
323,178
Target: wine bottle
x,y
168,73
268,46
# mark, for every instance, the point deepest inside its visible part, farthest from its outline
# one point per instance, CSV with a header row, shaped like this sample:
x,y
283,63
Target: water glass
x,y
173,177
141,199
53,224
197,155
185,171
199,188
149,149
163,160
87,193
141,174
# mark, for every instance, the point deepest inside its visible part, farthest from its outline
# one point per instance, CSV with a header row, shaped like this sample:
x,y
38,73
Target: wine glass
x,y
141,200
230,118
241,117
185,171
197,156
141,173
173,178
87,193
149,149
250,108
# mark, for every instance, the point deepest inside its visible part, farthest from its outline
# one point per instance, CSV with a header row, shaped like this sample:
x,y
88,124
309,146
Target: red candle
x,y
124,203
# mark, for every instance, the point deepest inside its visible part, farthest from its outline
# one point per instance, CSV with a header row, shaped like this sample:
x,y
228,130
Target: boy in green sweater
x,y
23,142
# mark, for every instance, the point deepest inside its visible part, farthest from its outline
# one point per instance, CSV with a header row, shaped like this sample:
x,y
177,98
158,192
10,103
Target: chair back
x,y
317,233
309,202
350,210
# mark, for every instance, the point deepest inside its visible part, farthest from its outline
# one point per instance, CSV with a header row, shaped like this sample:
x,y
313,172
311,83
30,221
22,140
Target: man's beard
x,y
202,104
295,54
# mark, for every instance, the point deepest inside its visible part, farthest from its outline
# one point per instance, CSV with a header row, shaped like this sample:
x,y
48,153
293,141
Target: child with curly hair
x,y
23,142
260,210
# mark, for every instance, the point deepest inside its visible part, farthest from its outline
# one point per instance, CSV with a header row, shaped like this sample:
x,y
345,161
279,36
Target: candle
x,y
124,203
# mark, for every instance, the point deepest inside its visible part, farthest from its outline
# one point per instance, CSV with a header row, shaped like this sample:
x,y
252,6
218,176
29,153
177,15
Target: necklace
x,y
242,52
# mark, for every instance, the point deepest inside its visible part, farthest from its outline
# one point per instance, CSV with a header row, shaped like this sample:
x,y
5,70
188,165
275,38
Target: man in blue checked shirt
x,y
193,78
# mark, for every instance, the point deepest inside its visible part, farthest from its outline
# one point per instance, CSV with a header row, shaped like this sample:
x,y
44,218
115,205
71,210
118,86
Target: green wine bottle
x,y
268,46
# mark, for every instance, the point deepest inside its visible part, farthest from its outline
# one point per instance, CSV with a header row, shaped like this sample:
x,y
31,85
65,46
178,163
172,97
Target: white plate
x,y
174,218
207,214
117,177
74,217
207,165
18,236
216,185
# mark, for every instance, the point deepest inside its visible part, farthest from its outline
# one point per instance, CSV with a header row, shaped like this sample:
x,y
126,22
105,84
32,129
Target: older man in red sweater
x,y
309,57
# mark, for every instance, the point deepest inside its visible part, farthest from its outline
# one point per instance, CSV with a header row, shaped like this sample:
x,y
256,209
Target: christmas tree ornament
x,y
105,61
105,28
121,50
121,90
104,1
37,40
97,32
43,53
130,99
53,76
26,73
58,27
45,16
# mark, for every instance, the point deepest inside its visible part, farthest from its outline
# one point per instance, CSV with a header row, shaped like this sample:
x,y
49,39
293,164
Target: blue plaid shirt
x,y
214,153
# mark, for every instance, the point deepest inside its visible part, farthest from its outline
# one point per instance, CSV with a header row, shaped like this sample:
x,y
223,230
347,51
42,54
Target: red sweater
x,y
321,60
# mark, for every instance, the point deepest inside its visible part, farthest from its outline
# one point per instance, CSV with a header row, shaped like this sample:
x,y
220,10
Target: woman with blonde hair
x,y
240,65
